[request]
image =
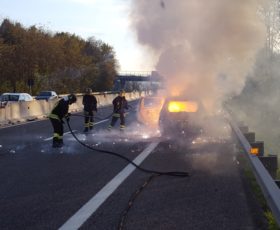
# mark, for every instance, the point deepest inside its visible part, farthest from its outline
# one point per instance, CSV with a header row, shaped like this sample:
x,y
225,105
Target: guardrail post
x,y
257,148
269,188
270,163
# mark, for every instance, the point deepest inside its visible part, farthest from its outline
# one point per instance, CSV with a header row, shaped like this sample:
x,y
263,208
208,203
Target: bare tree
x,y
271,16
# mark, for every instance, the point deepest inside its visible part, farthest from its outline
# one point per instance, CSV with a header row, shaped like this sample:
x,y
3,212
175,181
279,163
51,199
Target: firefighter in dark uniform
x,y
90,106
120,104
59,112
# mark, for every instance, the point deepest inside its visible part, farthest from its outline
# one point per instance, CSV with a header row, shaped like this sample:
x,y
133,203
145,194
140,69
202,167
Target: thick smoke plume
x,y
203,48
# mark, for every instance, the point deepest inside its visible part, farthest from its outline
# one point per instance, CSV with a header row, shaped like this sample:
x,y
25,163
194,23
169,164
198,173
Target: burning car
x,y
179,118
149,110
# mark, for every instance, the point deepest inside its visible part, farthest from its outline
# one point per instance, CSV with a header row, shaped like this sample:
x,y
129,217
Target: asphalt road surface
x,y
80,188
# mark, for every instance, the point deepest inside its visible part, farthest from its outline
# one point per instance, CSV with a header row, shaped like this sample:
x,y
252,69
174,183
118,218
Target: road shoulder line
x,y
88,209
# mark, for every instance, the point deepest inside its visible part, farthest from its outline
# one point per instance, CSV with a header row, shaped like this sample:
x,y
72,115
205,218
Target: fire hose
x,y
154,173
171,173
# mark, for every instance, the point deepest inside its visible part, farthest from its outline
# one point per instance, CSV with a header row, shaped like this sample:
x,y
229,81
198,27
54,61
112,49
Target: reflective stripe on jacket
x,y
60,109
53,116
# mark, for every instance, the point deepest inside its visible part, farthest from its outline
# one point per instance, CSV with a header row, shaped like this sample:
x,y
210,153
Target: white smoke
x,y
204,48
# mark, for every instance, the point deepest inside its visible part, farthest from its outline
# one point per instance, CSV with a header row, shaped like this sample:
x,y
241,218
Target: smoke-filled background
x,y
202,48
221,51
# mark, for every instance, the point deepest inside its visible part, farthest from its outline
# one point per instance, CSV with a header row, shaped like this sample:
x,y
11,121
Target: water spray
x,y
171,173
153,175
97,117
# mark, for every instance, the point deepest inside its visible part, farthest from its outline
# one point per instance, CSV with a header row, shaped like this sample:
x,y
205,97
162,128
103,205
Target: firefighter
x,y
59,112
90,106
119,104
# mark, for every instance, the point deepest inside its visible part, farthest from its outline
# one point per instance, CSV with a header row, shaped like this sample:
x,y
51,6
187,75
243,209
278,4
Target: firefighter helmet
x,y
122,93
72,98
88,90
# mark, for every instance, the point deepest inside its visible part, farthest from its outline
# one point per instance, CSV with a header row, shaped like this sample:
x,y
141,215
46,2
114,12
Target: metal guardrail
x,y
269,187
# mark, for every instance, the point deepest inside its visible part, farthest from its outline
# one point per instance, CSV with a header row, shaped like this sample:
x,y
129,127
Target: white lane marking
x,y
50,138
80,217
96,123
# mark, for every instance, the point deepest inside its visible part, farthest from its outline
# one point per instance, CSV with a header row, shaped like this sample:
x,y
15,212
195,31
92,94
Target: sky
x,y
106,20
201,47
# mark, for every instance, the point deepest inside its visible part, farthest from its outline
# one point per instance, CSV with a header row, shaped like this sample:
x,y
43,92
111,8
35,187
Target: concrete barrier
x,y
13,113
16,112
2,115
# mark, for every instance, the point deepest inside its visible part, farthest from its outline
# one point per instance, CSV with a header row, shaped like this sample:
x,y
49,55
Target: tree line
x,y
32,59
259,102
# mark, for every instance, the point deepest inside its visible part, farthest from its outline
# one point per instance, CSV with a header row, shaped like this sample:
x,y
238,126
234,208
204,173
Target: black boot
x,y
55,143
60,143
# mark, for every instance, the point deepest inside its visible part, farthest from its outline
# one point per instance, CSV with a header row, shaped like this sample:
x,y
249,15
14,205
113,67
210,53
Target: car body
x,y
46,95
149,110
14,97
179,117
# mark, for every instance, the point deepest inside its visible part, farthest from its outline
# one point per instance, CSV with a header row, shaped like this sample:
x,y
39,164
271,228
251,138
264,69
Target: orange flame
x,y
182,106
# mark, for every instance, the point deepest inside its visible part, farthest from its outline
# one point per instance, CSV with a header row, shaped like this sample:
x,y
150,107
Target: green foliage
x,y
258,194
272,224
61,62
258,104
278,174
